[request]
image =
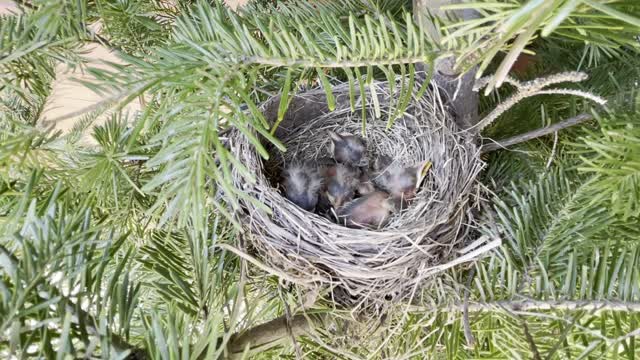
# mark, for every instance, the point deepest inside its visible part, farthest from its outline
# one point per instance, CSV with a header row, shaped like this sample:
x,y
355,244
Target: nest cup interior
x,y
311,249
408,142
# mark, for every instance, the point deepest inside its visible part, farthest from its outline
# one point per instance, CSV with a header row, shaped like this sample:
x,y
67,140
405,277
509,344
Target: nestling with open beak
x,y
370,211
302,185
400,181
349,149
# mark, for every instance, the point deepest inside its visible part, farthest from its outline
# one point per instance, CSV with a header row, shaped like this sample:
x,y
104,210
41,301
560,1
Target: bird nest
x,y
429,236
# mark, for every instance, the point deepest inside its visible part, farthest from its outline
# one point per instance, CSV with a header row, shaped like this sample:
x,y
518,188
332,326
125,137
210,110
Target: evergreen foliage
x,y
111,250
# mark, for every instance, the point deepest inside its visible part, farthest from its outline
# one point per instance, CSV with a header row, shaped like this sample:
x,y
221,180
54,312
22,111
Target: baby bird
x,y
370,211
326,167
400,181
302,184
366,185
341,184
348,149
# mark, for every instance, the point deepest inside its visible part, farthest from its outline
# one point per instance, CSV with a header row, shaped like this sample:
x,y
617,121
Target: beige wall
x,y
69,98
7,7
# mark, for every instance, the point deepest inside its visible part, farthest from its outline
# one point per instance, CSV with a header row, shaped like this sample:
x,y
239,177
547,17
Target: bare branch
x,y
501,144
517,306
566,305
268,335
276,331
284,62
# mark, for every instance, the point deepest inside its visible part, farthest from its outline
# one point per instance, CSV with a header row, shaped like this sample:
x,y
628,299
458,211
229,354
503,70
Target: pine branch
x,y
504,143
609,155
90,323
10,263
212,62
511,29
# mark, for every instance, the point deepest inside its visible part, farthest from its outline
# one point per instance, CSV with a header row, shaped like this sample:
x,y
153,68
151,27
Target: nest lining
x,y
370,263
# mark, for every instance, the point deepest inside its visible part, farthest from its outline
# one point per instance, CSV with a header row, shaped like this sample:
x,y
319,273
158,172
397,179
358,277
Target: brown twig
x,y
504,143
268,335
522,306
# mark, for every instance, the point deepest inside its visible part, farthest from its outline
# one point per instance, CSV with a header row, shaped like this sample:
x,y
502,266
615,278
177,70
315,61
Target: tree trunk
x,y
462,100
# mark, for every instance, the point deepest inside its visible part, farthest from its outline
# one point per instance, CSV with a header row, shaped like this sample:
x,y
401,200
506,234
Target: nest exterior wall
x,y
414,245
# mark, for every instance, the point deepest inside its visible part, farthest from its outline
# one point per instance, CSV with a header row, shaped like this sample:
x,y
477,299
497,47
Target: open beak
x,y
422,172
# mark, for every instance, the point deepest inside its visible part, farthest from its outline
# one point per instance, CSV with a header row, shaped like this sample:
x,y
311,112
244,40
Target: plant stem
x,y
268,335
282,62
523,306
501,144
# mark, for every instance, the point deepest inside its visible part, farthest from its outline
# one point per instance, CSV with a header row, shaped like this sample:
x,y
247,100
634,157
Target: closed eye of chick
x,y
348,149
370,211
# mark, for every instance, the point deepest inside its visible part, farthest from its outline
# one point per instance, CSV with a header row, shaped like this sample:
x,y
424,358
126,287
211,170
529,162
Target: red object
x,y
523,64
